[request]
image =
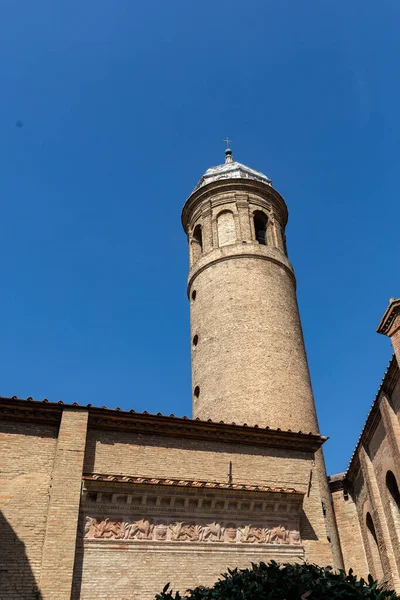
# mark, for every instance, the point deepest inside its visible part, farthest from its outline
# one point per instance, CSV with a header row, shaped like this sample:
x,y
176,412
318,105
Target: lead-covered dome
x,y
231,169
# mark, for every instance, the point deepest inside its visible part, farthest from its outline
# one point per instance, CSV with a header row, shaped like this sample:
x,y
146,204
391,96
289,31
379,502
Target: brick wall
x,y
27,453
377,518
351,541
120,452
41,494
61,530
155,456
139,575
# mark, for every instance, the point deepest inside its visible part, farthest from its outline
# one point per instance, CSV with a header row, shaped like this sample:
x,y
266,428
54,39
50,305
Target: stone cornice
x,y
30,411
94,480
268,254
98,478
336,482
234,185
385,327
160,425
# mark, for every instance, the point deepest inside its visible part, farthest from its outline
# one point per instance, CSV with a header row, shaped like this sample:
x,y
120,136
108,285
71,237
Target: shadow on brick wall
x,y
78,564
307,530
16,577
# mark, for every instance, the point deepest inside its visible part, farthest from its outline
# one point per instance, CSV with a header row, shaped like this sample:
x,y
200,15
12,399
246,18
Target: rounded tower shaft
x,y
249,362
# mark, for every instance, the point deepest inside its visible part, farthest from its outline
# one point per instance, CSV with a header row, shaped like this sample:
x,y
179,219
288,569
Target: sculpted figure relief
x,y
252,534
187,531
278,535
107,528
184,532
141,530
212,532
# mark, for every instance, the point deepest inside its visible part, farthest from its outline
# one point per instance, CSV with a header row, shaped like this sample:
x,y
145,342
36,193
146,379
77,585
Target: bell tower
x,y
249,362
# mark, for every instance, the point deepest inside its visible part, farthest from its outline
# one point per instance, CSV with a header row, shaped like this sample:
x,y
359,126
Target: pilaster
x,y
392,426
244,220
62,518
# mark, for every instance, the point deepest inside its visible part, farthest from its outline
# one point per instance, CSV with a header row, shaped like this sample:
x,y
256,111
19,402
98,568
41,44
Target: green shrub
x,y
285,582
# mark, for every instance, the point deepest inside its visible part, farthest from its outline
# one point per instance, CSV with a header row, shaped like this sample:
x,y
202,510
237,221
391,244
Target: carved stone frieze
x,y
174,530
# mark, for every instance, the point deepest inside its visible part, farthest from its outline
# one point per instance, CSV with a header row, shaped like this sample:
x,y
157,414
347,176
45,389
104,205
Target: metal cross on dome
x,y
227,142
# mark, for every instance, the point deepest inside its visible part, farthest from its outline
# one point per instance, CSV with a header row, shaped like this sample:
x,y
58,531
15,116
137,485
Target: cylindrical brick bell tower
x,y
249,363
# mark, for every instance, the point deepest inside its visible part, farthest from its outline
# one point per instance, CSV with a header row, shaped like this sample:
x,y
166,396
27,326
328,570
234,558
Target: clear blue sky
x,y
124,105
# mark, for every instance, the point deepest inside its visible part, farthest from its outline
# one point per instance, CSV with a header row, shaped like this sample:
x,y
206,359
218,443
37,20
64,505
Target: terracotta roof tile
x,y
187,483
145,412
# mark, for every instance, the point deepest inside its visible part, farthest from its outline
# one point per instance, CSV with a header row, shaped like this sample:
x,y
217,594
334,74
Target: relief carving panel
x,y
173,530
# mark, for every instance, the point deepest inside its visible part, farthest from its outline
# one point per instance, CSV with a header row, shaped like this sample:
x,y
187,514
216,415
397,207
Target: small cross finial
x,y
228,151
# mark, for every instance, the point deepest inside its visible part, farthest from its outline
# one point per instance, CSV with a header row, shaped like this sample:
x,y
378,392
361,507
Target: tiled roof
x,y
144,423
187,483
59,403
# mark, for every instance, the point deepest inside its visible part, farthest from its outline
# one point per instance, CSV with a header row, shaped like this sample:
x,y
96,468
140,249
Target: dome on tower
x,y
231,169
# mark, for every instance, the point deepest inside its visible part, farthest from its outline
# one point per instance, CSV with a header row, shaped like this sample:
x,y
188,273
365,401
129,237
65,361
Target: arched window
x,y
374,548
260,227
226,228
393,488
197,243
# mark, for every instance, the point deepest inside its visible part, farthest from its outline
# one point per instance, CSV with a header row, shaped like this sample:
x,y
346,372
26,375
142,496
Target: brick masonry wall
x,y
249,363
370,495
139,575
61,531
120,452
395,399
41,490
351,542
154,456
27,453
249,358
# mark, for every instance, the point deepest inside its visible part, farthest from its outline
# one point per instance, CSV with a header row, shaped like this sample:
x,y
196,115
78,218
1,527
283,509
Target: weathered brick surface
x,y
138,575
249,363
121,452
377,454
61,530
26,460
154,456
351,542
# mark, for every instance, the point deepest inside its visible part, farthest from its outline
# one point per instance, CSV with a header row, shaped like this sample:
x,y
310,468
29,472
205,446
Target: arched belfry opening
x,y
260,227
197,242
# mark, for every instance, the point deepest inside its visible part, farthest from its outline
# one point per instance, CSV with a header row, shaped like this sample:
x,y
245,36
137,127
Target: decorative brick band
x,y
266,257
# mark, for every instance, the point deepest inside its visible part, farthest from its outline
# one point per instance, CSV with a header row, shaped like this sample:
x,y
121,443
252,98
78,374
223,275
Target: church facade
x,y
101,503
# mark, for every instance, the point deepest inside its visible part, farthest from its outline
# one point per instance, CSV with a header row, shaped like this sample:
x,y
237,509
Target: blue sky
x,y
124,105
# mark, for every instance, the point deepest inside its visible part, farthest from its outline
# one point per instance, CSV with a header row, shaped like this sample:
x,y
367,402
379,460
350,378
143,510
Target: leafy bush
x,y
285,582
